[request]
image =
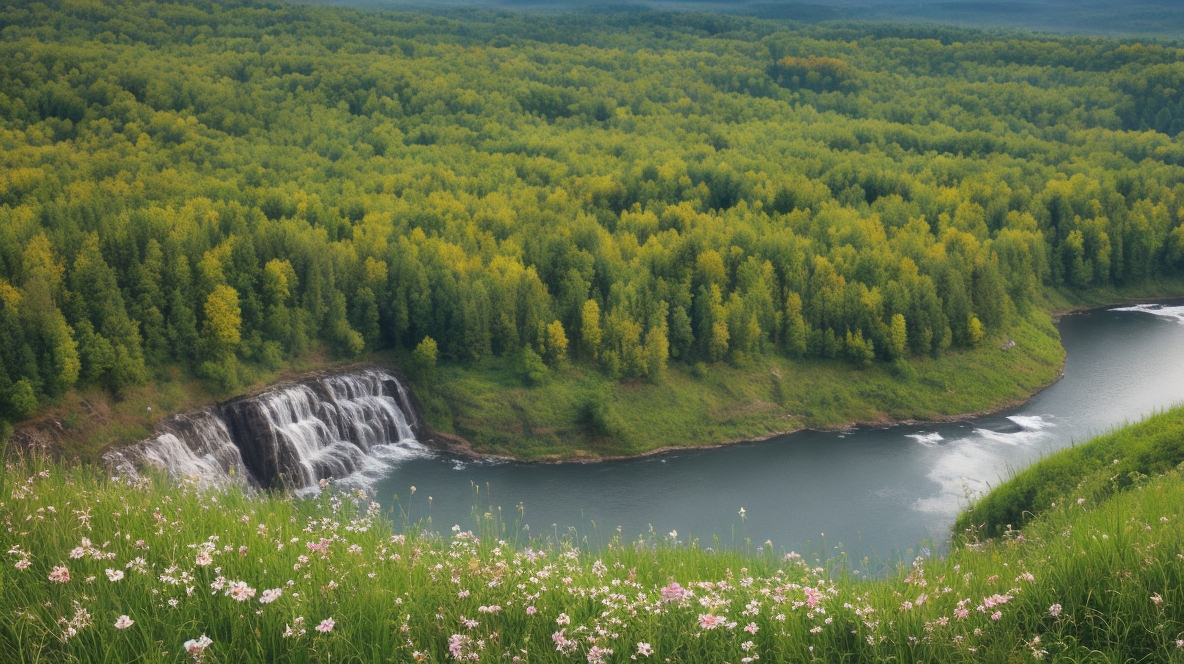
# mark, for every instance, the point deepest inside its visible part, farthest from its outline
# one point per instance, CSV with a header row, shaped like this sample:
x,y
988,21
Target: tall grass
x,y
397,593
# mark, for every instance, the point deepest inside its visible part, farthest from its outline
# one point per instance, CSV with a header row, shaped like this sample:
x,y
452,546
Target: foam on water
x,y
1175,313
928,439
1031,422
965,458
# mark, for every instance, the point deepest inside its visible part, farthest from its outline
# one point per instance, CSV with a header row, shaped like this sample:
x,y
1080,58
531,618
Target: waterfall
x,y
291,435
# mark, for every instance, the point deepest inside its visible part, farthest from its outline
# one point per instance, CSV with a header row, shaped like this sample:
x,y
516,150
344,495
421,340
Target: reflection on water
x,y
868,492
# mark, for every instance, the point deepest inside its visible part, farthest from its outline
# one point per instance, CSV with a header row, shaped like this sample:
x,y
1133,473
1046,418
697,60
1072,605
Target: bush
x,y
598,416
20,400
534,370
224,374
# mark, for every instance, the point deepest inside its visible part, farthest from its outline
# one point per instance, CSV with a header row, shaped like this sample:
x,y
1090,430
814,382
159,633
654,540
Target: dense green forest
x,y
227,185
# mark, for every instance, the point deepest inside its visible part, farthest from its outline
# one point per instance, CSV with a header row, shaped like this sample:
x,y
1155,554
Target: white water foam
x,y
1031,422
926,438
1175,313
382,459
964,468
1031,428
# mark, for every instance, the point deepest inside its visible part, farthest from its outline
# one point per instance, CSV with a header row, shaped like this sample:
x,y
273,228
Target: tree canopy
x,y
207,184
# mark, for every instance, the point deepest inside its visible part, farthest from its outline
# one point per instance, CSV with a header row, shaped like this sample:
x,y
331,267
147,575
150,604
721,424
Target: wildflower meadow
x,y
107,569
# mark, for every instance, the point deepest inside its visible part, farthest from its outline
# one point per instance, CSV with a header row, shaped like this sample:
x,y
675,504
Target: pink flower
x,y
597,655
996,615
270,596
1054,610
673,593
59,575
459,646
708,621
563,619
326,625
813,596
644,649
23,564
1156,599
114,574
124,622
203,559
530,610
564,644
751,628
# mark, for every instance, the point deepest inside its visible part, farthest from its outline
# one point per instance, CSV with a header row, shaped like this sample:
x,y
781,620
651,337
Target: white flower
x,y
326,625
270,596
240,591
124,622
196,647
115,575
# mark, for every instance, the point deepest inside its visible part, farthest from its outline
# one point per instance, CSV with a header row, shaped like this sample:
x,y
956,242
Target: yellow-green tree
x,y
556,343
223,321
590,334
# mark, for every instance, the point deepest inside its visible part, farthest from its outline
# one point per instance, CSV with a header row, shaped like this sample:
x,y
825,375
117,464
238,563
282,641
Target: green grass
x,y
397,592
1090,471
491,407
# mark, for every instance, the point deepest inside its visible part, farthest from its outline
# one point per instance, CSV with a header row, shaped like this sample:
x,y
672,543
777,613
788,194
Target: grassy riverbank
x,y
579,414
1097,578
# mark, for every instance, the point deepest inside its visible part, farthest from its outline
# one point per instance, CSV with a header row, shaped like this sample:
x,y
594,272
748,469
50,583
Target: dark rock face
x,y
290,436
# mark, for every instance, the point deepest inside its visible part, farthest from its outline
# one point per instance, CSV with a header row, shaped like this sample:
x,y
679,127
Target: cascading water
x,y
290,436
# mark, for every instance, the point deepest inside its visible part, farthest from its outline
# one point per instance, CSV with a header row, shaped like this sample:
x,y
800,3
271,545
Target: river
x,y
879,493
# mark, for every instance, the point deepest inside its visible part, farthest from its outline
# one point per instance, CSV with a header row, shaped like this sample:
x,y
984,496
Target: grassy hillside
x,y
100,569
1091,472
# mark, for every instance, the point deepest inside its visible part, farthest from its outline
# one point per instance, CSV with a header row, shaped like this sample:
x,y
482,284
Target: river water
x,y
879,493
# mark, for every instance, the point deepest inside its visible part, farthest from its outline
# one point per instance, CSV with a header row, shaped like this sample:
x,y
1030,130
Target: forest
x,y
224,185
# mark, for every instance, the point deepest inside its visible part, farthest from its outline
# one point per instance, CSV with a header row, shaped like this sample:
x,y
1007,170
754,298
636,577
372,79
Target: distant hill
x,y
1158,18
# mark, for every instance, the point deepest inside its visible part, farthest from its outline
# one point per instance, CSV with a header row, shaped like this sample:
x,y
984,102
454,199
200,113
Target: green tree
x,y
423,360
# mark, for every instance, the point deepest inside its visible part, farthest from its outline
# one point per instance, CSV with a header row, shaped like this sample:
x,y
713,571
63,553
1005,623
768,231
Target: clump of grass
x,y
257,576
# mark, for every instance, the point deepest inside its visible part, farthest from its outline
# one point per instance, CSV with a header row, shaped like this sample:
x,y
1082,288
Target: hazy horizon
x,y
1152,18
